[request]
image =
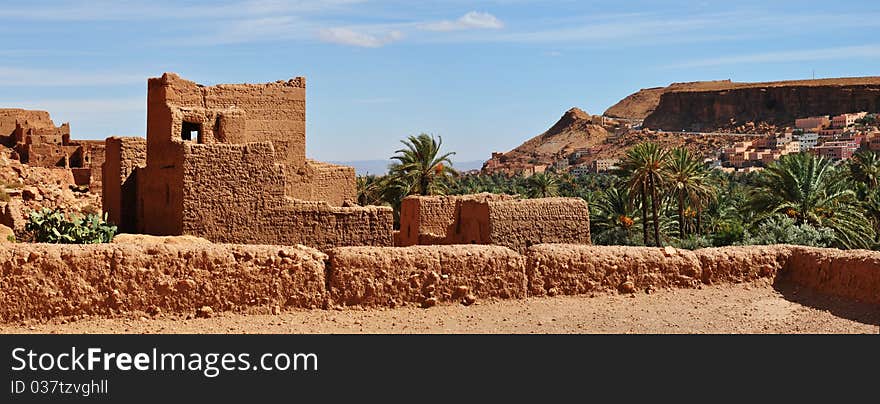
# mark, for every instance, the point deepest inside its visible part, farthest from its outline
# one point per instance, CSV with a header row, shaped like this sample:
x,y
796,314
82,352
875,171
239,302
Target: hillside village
x,y
581,143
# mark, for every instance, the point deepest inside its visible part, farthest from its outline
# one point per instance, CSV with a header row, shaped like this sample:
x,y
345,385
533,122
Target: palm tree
x,y
542,185
612,216
810,190
871,205
644,165
688,182
865,168
369,190
421,166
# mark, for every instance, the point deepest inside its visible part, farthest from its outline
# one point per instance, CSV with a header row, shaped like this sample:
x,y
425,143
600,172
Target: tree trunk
x,y
654,211
645,213
680,217
424,185
700,220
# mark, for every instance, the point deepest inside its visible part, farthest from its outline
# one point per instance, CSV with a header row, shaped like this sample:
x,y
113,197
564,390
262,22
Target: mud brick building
x,y
493,219
36,141
228,163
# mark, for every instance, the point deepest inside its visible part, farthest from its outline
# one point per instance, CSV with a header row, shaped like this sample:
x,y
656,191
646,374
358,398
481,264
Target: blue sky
x,y
485,75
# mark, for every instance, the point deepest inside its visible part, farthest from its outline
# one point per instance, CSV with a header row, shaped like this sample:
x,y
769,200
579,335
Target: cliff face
x,y
775,103
642,103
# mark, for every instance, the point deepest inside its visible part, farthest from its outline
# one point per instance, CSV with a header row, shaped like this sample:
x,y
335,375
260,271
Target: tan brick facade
x,y
228,163
493,219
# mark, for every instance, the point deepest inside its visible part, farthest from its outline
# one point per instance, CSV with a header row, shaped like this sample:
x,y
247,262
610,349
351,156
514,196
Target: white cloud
x,y
841,53
348,36
471,20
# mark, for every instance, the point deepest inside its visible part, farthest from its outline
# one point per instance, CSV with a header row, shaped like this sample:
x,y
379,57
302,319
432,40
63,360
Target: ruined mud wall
x,y
92,154
46,155
742,264
521,223
319,181
181,274
776,104
256,112
571,270
9,117
120,190
578,269
369,276
42,281
849,274
428,217
427,220
235,193
373,276
493,219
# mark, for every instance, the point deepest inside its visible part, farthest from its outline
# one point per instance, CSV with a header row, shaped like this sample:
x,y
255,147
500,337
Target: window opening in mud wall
x,y
191,132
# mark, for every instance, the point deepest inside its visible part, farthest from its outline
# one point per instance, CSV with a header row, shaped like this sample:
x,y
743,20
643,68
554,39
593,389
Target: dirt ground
x,y
744,308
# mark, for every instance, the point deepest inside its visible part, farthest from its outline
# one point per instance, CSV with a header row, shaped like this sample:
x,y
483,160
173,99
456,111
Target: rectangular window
x,y
191,132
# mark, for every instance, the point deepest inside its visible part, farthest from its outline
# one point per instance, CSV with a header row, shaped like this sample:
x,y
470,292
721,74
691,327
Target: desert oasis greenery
x,y
662,196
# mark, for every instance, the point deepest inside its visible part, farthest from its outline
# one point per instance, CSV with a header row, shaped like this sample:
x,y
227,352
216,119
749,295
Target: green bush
x,y
692,243
53,226
784,230
728,233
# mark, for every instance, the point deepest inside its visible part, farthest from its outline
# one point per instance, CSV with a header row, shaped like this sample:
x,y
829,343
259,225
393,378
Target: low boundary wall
x,y
39,281
43,280
375,276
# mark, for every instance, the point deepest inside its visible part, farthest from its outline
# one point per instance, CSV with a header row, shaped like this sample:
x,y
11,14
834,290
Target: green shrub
x,y
728,233
53,226
784,230
692,243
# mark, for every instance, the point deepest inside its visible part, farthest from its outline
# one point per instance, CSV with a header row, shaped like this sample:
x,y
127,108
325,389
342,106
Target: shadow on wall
x,y
841,307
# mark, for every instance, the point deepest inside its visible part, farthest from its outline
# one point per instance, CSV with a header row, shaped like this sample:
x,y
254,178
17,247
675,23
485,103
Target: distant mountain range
x,y
380,167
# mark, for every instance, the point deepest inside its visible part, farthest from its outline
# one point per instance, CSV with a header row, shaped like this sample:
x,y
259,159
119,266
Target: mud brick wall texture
x,y
570,270
235,193
119,195
848,274
41,280
370,276
227,163
182,274
427,220
521,223
493,219
9,117
273,112
319,181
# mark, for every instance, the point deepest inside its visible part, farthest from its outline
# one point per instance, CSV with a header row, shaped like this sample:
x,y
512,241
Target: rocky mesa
x,y
721,104
642,103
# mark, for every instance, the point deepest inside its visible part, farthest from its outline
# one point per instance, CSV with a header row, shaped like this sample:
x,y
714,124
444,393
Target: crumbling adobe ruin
x,y
36,141
143,275
493,219
228,163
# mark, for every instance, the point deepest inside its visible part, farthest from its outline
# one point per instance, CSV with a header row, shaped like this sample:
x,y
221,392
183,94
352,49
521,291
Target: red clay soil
x,y
754,307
